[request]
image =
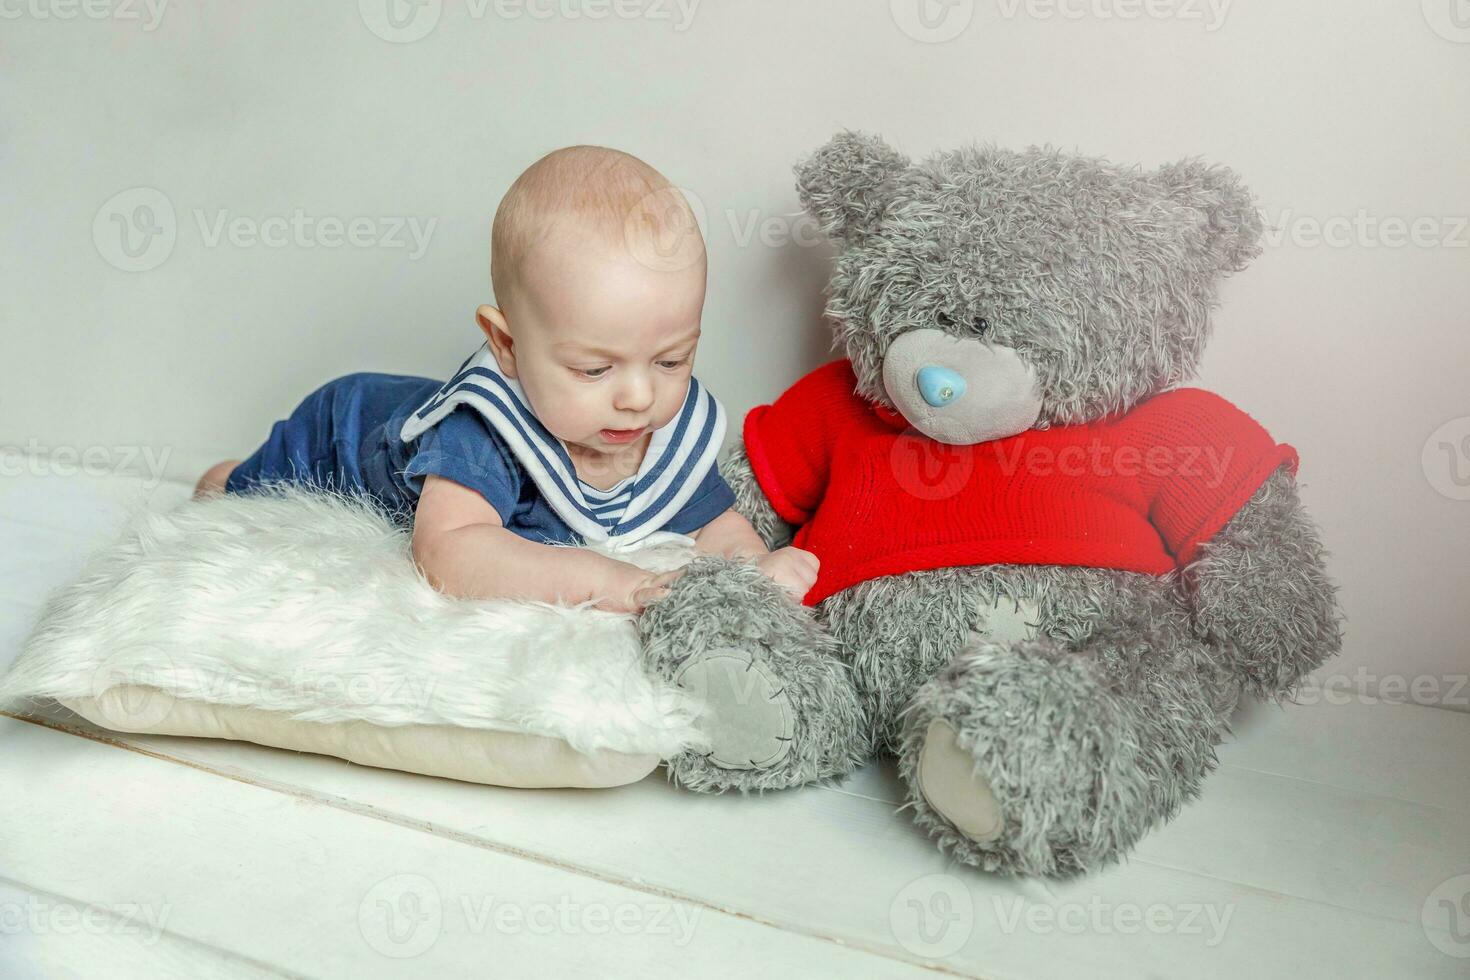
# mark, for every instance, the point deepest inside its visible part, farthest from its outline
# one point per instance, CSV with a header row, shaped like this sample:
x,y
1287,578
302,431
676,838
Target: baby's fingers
x,y
657,588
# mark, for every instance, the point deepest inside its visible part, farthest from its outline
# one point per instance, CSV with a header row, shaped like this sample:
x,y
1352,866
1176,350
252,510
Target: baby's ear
x,y
846,184
1232,220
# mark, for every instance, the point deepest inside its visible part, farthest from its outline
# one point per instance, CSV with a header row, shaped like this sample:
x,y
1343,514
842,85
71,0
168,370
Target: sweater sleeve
x,y
790,442
1205,459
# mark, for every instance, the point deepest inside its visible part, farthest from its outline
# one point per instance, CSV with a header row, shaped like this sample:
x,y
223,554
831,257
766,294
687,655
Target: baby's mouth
x,y
621,435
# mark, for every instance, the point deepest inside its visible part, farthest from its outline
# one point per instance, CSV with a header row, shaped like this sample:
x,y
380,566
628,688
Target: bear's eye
x,y
981,325
944,319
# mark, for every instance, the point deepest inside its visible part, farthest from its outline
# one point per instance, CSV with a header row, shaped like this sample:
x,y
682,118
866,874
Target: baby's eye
x,y
593,372
672,364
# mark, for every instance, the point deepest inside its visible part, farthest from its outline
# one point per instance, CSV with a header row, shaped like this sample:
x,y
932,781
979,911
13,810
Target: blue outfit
x,y
381,434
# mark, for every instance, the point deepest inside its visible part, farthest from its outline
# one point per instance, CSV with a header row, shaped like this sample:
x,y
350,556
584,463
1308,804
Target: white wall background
x,y
1349,118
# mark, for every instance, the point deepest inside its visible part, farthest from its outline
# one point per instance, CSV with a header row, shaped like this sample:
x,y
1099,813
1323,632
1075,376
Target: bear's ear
x,y
846,183
1232,220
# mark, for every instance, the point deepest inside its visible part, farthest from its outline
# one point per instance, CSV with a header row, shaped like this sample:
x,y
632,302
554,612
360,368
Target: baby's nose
x,y
635,394
939,386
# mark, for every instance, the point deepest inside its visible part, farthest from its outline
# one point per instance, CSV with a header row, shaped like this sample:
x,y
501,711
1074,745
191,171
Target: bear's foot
x,y
950,784
748,718
781,707
1032,759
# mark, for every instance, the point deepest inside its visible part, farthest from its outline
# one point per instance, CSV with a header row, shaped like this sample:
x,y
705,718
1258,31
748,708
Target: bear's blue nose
x,y
940,386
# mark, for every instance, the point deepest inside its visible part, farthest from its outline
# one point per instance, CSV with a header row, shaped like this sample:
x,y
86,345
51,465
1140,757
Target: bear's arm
x,y
1261,591
751,502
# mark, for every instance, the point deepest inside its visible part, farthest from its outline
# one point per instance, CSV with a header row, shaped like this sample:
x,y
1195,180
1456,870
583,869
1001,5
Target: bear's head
x,y
984,291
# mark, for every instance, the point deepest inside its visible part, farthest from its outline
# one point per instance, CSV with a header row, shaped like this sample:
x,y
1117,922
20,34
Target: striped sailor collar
x,y
680,454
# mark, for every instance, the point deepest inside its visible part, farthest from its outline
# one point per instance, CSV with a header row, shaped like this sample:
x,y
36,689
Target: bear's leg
x,y
1038,759
781,708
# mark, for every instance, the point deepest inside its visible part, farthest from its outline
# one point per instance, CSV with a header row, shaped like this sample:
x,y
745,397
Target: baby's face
x,y
603,345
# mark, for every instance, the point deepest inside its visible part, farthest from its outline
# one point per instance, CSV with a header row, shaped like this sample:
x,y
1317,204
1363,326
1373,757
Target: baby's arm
x,y
465,550
732,535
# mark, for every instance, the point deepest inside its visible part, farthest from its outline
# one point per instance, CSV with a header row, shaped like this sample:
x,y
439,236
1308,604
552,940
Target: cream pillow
x,y
474,755
297,619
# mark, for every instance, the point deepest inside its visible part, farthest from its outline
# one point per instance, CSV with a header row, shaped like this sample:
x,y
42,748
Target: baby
x,y
579,419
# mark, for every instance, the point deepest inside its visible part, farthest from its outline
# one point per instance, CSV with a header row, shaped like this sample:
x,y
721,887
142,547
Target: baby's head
x,y
598,267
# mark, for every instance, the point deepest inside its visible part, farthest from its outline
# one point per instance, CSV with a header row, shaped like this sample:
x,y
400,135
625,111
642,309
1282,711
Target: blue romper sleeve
x,y
462,447
712,499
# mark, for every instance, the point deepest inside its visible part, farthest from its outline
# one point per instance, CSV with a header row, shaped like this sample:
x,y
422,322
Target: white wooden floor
x,y
1328,835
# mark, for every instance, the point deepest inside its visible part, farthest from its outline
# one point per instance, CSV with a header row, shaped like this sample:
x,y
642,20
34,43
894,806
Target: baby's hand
x,y
793,569
636,589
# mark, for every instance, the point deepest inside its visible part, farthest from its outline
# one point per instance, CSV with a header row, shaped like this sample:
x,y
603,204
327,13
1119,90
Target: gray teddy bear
x,y
1049,570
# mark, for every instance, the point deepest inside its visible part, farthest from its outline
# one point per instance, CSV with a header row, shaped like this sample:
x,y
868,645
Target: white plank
x,y
842,865
1359,744
278,879
82,504
35,560
52,937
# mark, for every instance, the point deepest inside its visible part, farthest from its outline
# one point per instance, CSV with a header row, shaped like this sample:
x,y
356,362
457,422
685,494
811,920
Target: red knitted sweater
x,y
873,496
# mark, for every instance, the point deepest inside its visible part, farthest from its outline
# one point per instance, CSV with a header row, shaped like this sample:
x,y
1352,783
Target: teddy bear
x,y
1049,568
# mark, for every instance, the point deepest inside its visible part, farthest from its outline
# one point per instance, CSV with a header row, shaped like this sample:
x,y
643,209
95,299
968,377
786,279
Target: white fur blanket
x,y
309,603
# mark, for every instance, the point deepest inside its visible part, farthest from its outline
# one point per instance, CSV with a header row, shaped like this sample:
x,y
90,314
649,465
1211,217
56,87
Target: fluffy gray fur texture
x,y
720,604
1104,723
1101,276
